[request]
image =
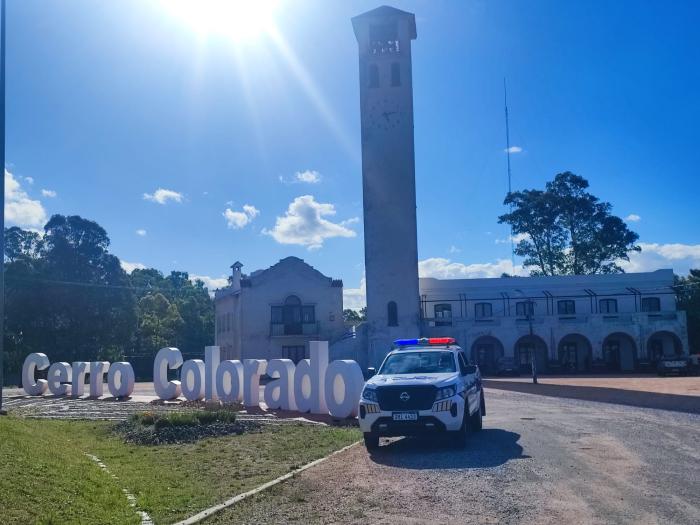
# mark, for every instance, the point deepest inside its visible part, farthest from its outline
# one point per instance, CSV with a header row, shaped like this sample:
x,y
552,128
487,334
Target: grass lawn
x,y
45,476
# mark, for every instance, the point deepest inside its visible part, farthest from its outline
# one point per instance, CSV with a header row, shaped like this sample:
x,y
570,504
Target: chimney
x,y
236,276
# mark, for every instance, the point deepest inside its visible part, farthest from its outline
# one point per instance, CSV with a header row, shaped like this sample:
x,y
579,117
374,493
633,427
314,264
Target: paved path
x,y
538,460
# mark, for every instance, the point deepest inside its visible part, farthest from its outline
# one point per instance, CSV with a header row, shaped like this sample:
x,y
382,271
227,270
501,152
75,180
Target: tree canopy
x,y
68,297
688,296
565,230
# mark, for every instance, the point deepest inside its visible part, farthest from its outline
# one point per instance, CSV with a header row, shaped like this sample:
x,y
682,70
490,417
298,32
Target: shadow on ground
x,y
492,447
635,398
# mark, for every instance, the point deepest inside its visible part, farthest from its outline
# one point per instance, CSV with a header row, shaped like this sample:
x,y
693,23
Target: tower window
x,y
392,314
395,74
373,80
384,39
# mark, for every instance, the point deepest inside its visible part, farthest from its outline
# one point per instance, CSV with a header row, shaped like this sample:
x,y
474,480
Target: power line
x,y
510,188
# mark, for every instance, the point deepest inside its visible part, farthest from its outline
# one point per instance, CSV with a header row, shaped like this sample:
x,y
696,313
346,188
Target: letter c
x,y
166,358
32,363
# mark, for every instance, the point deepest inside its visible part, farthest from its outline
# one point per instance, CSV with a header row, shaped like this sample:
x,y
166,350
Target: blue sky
x,y
256,140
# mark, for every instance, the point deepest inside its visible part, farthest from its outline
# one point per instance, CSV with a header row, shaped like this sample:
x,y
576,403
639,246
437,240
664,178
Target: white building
x,y
273,313
578,323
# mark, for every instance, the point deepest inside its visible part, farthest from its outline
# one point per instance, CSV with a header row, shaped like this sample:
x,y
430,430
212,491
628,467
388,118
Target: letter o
x,y
343,382
229,381
192,379
303,395
126,379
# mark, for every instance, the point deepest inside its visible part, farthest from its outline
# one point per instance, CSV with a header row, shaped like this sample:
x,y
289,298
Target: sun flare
x,y
239,20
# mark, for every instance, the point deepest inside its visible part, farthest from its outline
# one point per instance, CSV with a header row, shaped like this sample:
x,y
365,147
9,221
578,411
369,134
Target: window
x,y
395,74
567,307
419,363
384,39
524,308
308,314
483,310
651,304
373,80
295,353
462,363
608,306
276,314
443,315
392,314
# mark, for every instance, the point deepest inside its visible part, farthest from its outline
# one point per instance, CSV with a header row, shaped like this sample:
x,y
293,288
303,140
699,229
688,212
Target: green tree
x,y
565,230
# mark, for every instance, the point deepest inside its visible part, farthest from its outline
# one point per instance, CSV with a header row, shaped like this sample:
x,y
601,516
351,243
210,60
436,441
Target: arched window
x,y
291,315
392,314
373,80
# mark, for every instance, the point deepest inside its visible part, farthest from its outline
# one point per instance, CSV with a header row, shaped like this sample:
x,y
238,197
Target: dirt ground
x,y
539,459
683,386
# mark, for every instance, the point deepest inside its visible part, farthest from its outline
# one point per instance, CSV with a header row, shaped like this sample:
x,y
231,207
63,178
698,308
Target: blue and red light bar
x,y
426,341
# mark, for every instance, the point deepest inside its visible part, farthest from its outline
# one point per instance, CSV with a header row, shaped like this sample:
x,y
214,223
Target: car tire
x,y
476,422
371,441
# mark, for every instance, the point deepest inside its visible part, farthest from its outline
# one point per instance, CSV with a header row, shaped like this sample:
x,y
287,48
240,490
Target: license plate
x,y
405,416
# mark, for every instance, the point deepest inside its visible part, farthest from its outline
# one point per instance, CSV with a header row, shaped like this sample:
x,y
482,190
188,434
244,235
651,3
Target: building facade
x,y
274,313
587,323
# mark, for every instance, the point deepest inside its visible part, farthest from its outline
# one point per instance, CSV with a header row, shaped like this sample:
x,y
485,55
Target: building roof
x,y
385,13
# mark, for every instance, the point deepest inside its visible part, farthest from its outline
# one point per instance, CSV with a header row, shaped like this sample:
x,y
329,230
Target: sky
x,y
197,140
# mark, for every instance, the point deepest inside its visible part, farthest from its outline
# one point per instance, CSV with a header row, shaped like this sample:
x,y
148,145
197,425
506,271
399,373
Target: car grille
x,y
419,397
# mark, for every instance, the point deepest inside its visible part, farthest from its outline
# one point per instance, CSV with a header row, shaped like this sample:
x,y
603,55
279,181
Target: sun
x,y
238,20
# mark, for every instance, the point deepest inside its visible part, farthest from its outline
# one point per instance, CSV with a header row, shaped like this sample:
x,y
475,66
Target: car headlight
x,y
445,392
369,394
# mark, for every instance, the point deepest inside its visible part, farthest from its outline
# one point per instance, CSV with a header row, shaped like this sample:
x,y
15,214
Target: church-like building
x,y
618,322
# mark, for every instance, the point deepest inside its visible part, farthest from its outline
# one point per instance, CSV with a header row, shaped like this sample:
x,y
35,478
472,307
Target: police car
x,y
423,386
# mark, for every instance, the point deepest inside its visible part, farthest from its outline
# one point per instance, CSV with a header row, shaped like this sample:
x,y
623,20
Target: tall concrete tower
x,y
388,176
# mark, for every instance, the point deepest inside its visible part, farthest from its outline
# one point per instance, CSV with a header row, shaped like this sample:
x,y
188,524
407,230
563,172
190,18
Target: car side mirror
x,y
371,371
469,369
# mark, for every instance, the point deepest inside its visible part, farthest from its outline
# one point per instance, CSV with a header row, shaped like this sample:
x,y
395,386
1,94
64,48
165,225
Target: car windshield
x,y
419,363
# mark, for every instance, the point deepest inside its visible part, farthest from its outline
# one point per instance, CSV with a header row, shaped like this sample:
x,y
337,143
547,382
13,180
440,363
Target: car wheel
x,y
476,421
371,441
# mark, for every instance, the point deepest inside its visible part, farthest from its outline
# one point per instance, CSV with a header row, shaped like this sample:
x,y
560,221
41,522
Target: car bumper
x,y
445,415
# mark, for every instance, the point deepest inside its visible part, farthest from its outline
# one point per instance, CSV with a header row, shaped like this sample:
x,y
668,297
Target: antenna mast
x,y
510,188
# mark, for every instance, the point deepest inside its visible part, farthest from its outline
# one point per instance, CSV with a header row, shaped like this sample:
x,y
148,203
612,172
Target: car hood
x,y
413,379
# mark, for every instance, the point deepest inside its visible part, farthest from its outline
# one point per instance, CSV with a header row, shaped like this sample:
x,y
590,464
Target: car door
x,y
470,383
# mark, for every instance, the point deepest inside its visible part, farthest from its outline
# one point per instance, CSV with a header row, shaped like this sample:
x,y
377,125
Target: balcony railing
x,y
282,329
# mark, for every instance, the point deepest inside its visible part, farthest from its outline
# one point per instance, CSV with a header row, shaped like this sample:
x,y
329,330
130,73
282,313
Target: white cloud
x,y
454,249
515,238
513,149
355,298
141,232
239,219
442,268
654,256
306,176
48,193
20,210
304,224
633,217
30,180
130,267
212,283
162,196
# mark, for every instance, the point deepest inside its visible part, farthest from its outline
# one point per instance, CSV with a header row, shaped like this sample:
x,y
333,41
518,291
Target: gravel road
x,y
538,460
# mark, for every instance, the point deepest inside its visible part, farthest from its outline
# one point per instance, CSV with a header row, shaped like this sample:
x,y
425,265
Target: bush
x,y
183,419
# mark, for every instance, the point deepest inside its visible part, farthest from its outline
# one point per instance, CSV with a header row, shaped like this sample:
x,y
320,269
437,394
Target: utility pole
x,y
510,187
2,200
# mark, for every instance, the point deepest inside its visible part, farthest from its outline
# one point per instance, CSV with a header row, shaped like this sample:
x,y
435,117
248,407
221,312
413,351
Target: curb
x,y
229,502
